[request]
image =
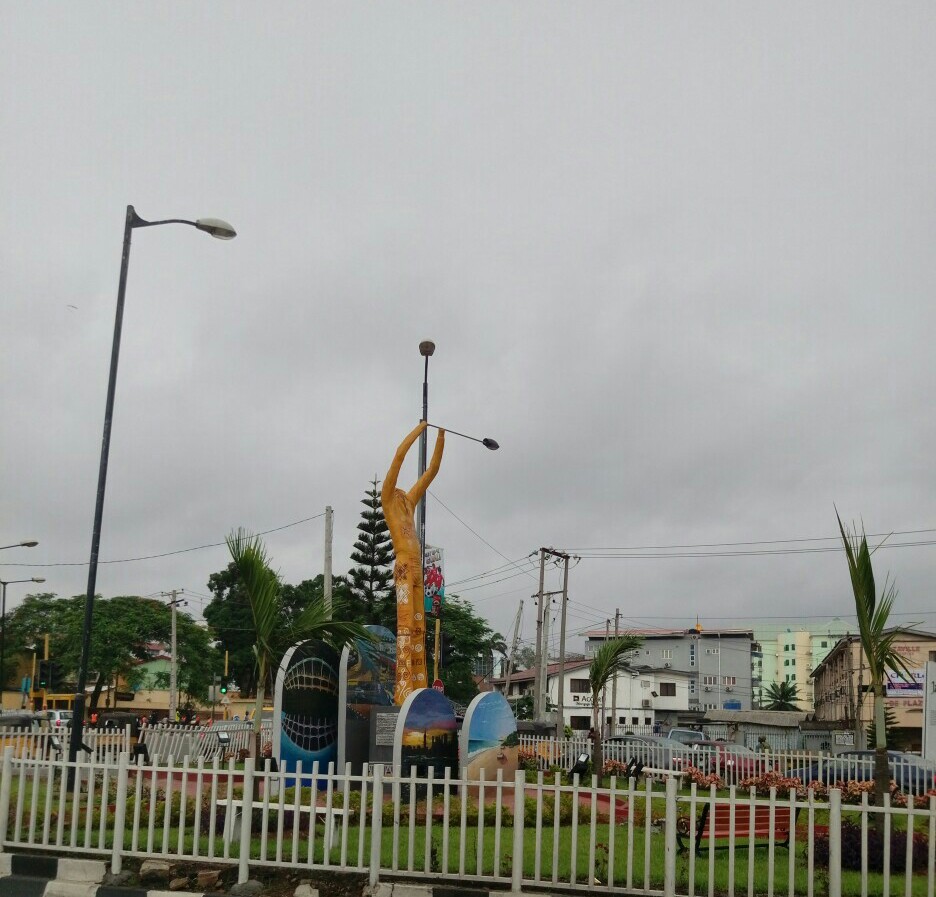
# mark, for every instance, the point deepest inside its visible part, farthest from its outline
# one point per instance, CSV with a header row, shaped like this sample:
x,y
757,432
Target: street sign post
x,y
438,686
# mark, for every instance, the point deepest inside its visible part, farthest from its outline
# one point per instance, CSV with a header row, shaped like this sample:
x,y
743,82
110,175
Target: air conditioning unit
x,y
727,688
646,703
667,665
708,688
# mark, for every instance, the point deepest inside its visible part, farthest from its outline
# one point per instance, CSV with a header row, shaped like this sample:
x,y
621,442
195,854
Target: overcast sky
x,y
677,259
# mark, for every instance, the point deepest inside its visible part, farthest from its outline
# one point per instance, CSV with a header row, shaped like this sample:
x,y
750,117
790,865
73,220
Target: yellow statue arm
x,y
422,484
390,480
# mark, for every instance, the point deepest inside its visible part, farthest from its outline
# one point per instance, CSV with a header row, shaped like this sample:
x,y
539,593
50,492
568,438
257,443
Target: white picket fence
x,y
622,838
106,745
180,740
909,773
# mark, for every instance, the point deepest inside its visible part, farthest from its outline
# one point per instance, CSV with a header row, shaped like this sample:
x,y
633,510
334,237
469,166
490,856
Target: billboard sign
x,y
929,712
898,687
434,581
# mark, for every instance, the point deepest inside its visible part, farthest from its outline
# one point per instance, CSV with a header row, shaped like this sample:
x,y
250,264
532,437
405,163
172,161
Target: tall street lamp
x,y
30,543
3,586
426,349
216,228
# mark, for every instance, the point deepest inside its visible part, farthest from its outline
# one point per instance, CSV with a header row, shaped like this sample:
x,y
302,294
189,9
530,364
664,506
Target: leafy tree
x,y
781,696
124,627
272,630
878,644
371,581
228,615
608,661
468,637
524,658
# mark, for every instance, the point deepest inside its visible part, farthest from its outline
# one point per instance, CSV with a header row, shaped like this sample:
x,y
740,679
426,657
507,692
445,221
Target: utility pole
x,y
604,691
560,712
513,651
538,656
328,559
617,632
173,664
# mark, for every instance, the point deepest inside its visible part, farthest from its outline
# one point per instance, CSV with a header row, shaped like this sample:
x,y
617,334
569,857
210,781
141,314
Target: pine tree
x,y
372,580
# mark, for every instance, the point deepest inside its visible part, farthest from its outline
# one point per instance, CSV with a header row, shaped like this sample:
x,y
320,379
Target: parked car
x,y
912,773
738,761
686,736
651,750
55,719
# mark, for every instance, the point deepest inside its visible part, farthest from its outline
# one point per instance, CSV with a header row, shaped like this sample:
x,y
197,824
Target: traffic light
x,y
55,675
447,652
43,673
224,688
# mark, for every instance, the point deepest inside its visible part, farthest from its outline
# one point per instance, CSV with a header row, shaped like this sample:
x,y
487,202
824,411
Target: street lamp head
x,y
31,543
426,348
217,228
38,579
490,444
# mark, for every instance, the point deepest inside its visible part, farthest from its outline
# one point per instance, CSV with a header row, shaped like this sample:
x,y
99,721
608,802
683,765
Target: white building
x,y
645,696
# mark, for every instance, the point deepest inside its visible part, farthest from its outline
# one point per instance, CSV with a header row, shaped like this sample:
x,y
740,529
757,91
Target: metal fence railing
x,y
634,837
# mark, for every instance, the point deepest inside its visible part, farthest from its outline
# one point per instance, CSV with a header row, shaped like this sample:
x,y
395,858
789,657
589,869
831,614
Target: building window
x,y
823,644
580,723
786,662
648,721
692,686
710,680
667,653
635,721
711,651
645,683
579,686
730,680
667,689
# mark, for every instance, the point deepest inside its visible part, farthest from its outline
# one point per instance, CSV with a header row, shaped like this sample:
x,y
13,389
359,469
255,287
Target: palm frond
x,y
610,658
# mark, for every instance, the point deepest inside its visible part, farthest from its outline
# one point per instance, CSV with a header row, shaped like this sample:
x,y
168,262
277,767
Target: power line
x,y
909,532
165,554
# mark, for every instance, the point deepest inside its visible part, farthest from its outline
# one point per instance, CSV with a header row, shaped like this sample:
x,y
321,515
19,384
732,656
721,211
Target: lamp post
x,y
426,349
216,228
29,543
3,586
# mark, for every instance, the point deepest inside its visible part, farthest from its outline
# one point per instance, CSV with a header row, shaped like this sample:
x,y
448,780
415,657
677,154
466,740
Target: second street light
x,y
216,228
3,586
29,543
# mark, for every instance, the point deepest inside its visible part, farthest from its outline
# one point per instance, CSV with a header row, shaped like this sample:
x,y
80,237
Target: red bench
x,y
717,826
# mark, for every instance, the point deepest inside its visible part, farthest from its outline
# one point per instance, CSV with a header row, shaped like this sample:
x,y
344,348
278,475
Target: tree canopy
x,y
124,628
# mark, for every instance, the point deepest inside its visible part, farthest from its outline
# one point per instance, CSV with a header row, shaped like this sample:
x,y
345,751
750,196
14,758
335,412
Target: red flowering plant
x,y
703,779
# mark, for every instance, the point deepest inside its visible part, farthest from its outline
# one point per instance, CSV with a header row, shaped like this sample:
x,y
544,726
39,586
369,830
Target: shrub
x,y
851,849
703,779
528,760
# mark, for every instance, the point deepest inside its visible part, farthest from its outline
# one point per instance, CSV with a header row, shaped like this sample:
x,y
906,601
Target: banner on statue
x,y
434,581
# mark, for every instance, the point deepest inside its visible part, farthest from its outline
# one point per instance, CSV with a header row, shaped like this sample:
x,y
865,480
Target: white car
x,y
55,719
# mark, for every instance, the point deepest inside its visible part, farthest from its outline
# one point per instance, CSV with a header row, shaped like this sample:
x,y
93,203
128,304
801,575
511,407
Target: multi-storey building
x,y
717,662
790,655
842,686
643,697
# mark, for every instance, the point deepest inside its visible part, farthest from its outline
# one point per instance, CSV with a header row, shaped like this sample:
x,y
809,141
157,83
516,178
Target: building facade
x,y
791,655
842,686
644,697
717,663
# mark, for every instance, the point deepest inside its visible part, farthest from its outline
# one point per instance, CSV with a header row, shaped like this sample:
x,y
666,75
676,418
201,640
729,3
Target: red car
x,y
728,760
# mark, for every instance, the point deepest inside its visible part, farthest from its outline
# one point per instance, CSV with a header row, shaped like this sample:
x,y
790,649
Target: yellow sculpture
x,y
398,508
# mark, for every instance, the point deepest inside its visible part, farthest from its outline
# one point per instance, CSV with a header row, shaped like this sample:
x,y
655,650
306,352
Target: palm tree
x,y
608,661
781,696
877,643
274,632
